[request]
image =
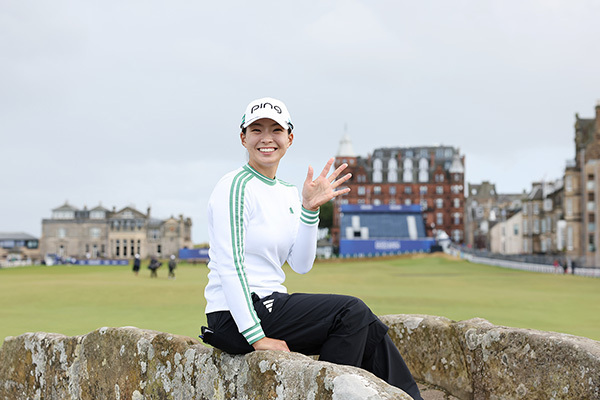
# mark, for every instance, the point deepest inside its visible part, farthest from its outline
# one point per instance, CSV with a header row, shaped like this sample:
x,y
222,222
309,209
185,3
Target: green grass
x,y
74,300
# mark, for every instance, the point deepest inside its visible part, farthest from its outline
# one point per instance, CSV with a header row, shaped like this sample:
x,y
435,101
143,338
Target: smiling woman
x,y
257,223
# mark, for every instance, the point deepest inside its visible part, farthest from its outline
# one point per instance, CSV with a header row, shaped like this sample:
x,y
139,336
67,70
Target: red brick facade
x,y
386,177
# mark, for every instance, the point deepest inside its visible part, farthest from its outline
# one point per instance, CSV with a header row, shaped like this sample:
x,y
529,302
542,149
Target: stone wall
x,y
470,359
477,360
130,363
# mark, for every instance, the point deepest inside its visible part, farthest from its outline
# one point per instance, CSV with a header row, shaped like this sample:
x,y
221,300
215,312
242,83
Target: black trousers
x,y
340,329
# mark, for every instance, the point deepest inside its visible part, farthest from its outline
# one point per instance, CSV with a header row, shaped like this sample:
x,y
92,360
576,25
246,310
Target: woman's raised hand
x,y
322,189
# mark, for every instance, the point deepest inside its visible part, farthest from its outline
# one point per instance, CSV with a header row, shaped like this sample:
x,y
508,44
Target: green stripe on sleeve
x,y
254,333
236,210
309,217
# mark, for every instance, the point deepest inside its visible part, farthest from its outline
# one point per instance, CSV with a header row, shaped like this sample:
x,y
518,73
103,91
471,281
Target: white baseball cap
x,y
267,107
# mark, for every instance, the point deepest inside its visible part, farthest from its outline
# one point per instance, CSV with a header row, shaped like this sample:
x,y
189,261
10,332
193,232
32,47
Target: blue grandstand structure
x,y
369,230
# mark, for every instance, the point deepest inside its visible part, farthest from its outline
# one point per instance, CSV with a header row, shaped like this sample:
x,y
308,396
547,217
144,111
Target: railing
x,y
525,262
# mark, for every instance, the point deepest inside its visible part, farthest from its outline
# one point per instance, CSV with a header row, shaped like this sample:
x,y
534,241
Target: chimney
x,y
148,213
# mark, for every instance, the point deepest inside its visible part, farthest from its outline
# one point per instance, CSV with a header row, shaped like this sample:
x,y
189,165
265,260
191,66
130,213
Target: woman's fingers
x,y
309,174
327,167
343,179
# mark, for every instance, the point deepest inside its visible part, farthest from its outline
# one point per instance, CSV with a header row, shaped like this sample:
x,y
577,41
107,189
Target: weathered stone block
x,y
130,363
432,350
477,360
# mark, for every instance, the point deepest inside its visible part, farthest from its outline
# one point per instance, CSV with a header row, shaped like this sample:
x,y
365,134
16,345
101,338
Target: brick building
x,y
430,176
101,233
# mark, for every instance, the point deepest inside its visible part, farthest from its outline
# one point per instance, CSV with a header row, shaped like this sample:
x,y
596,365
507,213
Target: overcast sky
x,y
139,102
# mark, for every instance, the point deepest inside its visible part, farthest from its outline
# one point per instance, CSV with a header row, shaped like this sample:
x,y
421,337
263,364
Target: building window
x,y
591,245
158,249
536,208
408,189
568,183
439,189
423,204
392,202
543,225
591,205
525,209
7,244
456,203
525,227
61,232
569,207
536,226
439,219
439,203
97,215
570,238
423,189
376,202
95,232
125,248
525,246
408,202
423,170
377,190
457,235
392,190
591,227
361,191
377,173
392,170
515,229
117,248
407,175
456,218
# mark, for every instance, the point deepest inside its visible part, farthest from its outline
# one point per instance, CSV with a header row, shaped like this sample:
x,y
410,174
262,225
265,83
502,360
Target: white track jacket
x,y
255,225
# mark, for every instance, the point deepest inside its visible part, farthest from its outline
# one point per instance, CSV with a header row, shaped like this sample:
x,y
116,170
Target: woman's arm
x,y
314,194
228,219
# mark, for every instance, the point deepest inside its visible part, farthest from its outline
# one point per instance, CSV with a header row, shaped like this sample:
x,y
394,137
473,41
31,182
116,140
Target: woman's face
x,y
266,142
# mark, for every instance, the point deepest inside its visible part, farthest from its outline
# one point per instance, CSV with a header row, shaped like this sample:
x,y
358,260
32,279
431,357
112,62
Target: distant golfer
x,y
136,264
257,223
172,266
154,266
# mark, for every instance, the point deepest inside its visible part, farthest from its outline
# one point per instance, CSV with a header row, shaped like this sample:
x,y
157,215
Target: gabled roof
x,y
16,236
155,223
536,193
99,208
65,207
457,165
135,212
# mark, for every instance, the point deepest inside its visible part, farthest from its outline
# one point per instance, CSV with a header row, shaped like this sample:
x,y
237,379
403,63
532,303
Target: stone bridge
x,y
460,360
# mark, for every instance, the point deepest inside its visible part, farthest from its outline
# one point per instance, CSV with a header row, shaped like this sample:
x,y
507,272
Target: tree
x,y
326,215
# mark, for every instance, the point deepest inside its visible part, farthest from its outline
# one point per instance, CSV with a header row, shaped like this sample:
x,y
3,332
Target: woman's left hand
x,y
321,190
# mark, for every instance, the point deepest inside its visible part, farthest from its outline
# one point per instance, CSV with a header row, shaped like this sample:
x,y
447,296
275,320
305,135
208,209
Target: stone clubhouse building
x,y
103,233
